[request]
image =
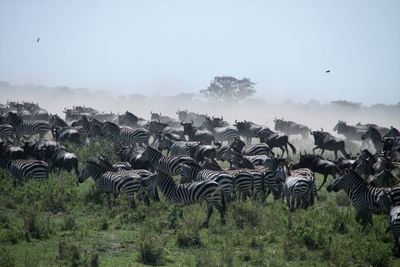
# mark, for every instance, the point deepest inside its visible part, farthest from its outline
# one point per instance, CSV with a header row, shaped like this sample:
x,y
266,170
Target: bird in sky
x,y
327,71
38,40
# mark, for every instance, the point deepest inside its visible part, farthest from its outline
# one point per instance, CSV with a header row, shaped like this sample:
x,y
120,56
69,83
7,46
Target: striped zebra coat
x,y
113,182
191,193
363,196
299,189
193,172
27,127
169,165
7,132
251,150
24,170
126,134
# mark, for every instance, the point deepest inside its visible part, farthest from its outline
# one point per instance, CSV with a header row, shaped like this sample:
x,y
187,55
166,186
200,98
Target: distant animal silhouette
x,y
38,40
327,71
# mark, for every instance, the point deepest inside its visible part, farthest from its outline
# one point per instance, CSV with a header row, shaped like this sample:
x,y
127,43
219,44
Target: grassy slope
x,y
58,223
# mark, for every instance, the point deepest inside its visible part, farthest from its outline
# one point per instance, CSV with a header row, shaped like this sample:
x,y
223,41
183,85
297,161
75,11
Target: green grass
x,y
57,223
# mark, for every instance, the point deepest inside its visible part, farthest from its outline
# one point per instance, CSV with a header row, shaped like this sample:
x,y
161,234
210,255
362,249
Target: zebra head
x,y
341,183
187,172
91,169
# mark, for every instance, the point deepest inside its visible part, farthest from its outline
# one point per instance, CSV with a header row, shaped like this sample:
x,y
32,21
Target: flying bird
x,y
327,71
38,40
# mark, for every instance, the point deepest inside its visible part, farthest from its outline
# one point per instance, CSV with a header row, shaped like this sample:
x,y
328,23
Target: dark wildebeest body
x,y
273,139
319,165
248,130
197,135
375,136
64,160
291,128
325,141
10,151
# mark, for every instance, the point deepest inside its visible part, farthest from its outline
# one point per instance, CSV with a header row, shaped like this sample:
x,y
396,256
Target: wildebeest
x,y
393,132
10,151
67,134
383,179
131,120
290,127
325,141
319,165
221,129
375,136
184,115
64,160
273,139
247,129
196,134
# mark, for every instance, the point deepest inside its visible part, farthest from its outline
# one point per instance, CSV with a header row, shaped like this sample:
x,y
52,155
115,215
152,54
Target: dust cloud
x,y
262,111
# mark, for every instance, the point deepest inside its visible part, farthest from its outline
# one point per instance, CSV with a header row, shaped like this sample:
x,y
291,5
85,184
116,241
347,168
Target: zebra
x,y
169,165
243,180
299,189
150,187
113,182
7,131
187,194
363,196
251,150
221,132
236,159
126,134
174,148
27,127
24,170
394,226
194,172
87,128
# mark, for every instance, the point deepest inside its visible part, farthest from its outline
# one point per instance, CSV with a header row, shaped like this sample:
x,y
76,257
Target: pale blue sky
x,y
168,47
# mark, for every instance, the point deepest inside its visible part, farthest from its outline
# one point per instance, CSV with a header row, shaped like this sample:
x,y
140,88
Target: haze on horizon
x,y
170,47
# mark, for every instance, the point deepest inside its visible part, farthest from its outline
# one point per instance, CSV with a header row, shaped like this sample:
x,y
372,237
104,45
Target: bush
x,y
151,248
246,213
69,223
6,260
68,253
189,235
37,224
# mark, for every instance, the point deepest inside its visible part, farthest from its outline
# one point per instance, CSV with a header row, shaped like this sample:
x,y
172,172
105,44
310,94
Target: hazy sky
x,y
168,47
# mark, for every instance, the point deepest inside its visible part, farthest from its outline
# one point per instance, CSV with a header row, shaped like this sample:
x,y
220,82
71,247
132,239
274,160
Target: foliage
x,y
229,89
57,223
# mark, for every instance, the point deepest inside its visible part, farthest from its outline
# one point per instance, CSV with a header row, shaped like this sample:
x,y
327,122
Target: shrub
x,y
69,223
37,224
189,235
151,248
68,253
6,259
246,213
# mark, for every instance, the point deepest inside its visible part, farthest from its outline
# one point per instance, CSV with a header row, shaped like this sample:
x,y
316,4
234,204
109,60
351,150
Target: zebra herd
x,y
190,170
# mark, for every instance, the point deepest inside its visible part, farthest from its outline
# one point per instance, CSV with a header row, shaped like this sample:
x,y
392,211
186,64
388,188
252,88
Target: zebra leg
x,y
109,201
209,213
322,152
132,203
396,248
292,203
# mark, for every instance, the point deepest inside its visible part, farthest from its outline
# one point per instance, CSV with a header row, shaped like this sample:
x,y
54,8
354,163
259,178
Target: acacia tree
x,y
229,89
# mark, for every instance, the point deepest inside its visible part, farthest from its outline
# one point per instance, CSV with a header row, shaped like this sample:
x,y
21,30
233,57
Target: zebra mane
x,y
356,176
91,162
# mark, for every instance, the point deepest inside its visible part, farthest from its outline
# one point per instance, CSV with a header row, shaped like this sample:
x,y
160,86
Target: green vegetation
x,y
58,223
